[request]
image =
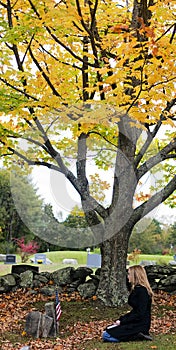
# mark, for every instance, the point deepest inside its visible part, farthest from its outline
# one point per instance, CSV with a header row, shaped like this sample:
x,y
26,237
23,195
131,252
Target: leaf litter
x,y
15,306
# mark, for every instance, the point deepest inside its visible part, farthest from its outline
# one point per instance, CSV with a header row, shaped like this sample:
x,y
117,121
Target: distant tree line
x,y
150,236
153,237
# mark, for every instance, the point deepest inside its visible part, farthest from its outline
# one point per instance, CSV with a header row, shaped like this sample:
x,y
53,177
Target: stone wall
x,y
82,279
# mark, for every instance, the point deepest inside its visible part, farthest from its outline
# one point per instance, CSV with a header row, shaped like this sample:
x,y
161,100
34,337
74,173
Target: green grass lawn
x,y
162,342
81,256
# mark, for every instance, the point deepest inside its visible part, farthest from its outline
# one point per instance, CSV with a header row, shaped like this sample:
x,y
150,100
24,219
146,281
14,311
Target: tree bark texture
x,y
112,290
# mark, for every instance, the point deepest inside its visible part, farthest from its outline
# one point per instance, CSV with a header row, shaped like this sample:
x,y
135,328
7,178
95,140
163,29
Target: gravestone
x,y
34,324
70,261
50,315
42,325
47,323
93,260
10,259
40,259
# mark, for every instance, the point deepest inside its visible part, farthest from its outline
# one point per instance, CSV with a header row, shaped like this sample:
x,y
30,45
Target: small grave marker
x,y
93,260
70,261
10,259
40,259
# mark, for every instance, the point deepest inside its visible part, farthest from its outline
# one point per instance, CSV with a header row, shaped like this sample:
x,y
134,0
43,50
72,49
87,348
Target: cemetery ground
x,y
82,321
57,258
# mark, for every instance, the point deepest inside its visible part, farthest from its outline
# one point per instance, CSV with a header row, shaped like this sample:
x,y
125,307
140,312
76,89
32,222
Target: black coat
x,y
138,319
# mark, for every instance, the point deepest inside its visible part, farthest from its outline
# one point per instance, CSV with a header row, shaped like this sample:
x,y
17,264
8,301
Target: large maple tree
x,y
84,78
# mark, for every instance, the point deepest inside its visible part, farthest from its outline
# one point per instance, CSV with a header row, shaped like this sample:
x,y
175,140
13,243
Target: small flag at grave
x,y
58,307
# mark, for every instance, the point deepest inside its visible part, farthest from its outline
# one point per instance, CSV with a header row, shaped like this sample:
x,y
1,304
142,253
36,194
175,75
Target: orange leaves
x,y
2,305
153,48
58,347
7,296
163,315
148,31
119,28
52,71
13,320
141,197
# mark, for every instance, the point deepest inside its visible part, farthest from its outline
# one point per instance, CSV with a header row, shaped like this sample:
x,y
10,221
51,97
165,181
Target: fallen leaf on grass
x,y
163,321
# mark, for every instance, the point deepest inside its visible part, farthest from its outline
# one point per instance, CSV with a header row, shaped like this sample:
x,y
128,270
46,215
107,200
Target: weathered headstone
x,y
47,324
42,325
50,312
34,324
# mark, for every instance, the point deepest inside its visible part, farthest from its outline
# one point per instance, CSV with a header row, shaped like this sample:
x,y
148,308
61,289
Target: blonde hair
x,y
139,276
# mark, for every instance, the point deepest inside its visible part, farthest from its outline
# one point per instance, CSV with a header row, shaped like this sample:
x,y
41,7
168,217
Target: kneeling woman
x,y
136,323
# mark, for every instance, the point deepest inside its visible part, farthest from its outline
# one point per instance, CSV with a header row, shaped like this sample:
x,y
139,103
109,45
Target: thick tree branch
x,y
47,142
89,31
33,162
94,223
91,205
4,5
81,17
93,13
81,161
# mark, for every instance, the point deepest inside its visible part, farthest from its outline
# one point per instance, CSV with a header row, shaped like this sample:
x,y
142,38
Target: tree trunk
x,y
112,290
